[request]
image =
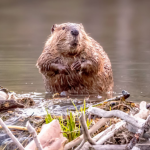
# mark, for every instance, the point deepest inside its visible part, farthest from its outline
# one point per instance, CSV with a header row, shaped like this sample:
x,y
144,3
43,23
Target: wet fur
x,y
95,75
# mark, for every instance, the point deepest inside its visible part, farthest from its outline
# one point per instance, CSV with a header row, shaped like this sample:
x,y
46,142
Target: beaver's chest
x,y
70,60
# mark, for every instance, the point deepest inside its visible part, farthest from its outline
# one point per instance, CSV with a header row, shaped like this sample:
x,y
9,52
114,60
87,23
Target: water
x,y
121,27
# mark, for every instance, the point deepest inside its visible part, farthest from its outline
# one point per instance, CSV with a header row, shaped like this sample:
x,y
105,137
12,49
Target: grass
x,y
70,125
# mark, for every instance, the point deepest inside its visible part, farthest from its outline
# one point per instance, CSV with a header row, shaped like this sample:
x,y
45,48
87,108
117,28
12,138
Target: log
x,y
8,104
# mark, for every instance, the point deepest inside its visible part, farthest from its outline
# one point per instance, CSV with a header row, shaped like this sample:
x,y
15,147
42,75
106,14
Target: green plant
x,y
70,125
48,117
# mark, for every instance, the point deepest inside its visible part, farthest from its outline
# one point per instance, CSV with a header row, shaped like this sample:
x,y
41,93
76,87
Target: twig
x,y
16,127
34,135
86,135
14,139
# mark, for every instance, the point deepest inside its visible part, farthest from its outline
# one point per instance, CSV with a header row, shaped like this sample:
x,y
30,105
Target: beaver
x,y
74,62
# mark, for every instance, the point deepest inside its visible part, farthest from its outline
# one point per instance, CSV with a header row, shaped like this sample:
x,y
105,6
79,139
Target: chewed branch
x,y
116,113
86,135
14,139
34,135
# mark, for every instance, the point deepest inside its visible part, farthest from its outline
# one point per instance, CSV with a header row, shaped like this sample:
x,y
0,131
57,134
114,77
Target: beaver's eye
x,y
63,28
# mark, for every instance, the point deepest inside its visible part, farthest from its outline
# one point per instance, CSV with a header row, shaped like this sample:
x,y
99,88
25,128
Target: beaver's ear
x,y
81,25
53,28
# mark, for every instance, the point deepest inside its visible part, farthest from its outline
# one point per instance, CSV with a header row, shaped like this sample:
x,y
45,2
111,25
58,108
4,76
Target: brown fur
x,y
94,73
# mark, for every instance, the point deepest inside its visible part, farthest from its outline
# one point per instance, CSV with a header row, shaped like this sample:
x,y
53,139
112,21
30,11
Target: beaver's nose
x,y
74,32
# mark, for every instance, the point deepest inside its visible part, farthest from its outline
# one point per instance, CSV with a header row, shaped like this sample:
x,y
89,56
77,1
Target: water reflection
x,y
121,26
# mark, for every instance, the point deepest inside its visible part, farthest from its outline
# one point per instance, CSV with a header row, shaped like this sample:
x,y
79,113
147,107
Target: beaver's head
x,y
68,38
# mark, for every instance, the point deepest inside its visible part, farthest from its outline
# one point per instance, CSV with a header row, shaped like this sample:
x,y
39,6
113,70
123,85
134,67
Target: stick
x,y
11,135
109,132
108,147
34,135
117,113
86,135
16,127
140,133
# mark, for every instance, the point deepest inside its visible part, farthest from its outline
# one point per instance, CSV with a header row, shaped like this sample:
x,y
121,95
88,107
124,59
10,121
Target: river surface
x,y
122,27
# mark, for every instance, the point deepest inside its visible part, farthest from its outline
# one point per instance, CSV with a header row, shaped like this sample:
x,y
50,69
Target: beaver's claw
x,y
64,70
76,66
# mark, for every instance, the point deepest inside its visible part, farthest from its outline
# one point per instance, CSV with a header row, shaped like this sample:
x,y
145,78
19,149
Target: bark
x,y
8,104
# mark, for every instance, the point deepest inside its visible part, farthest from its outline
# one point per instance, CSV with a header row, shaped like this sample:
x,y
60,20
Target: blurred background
x,y
122,27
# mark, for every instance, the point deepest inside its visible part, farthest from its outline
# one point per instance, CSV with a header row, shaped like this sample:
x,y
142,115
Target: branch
x,y
140,133
109,132
34,135
14,139
86,135
108,147
116,113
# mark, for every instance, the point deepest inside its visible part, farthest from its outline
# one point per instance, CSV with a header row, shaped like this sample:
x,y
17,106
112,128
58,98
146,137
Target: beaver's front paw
x,y
76,66
87,68
63,69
